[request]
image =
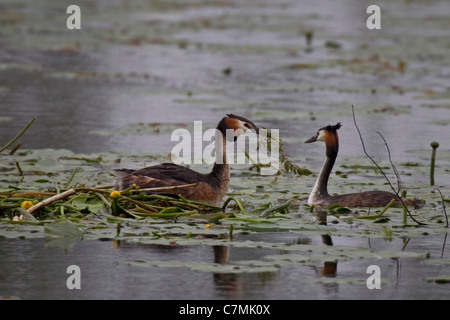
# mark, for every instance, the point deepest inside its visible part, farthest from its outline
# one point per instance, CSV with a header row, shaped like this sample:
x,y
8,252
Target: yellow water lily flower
x,y
26,205
115,194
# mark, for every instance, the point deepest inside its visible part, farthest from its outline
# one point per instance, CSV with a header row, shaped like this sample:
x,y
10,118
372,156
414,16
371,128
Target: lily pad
x,y
64,228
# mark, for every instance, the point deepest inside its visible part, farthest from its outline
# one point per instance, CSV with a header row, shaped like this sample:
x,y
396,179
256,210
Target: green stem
x,y
268,211
71,178
18,135
13,150
103,199
127,190
433,145
61,212
139,203
9,206
19,168
166,215
235,200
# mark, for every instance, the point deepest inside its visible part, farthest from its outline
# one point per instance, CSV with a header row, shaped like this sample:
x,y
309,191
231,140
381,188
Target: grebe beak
x,y
312,139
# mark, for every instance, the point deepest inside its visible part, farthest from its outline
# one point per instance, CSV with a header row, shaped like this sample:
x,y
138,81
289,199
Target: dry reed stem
x,y
51,200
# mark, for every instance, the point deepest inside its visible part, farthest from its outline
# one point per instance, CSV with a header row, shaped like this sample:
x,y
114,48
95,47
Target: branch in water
x,y
381,170
51,200
399,181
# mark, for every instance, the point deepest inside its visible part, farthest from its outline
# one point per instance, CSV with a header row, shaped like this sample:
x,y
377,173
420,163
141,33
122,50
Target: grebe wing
x,y
170,171
161,175
375,198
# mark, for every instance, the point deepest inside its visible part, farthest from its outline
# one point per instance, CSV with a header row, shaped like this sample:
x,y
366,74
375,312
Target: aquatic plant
x,y
434,145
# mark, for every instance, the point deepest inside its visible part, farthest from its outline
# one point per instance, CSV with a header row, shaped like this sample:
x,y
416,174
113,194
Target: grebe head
x,y
327,134
237,124
330,136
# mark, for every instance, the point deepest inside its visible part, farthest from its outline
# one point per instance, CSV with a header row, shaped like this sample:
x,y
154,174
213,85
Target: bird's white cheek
x,y
321,136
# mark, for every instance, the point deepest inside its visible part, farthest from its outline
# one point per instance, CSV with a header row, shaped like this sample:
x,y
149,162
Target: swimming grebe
x,y
209,188
319,195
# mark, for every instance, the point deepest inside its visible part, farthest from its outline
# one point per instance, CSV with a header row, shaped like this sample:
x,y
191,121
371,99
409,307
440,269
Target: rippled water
x,y
39,272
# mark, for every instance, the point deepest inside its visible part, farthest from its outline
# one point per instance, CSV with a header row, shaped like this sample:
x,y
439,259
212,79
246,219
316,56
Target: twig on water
x,y
140,204
443,245
381,170
399,181
405,213
51,200
443,205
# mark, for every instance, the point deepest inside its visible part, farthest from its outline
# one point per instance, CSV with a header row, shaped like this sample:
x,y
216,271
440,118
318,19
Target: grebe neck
x,y
320,190
221,170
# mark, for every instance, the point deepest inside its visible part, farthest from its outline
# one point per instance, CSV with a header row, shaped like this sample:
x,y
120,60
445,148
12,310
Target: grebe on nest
x,y
319,195
209,188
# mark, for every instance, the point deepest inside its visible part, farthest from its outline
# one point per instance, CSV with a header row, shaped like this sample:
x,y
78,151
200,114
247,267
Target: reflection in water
x,y
320,216
326,239
233,285
221,254
104,278
228,283
329,268
64,243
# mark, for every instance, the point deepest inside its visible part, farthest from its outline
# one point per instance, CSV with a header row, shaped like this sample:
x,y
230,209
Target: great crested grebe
x,y
319,195
209,188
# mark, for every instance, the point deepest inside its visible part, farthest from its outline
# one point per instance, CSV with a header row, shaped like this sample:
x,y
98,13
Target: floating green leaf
x,y
63,228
